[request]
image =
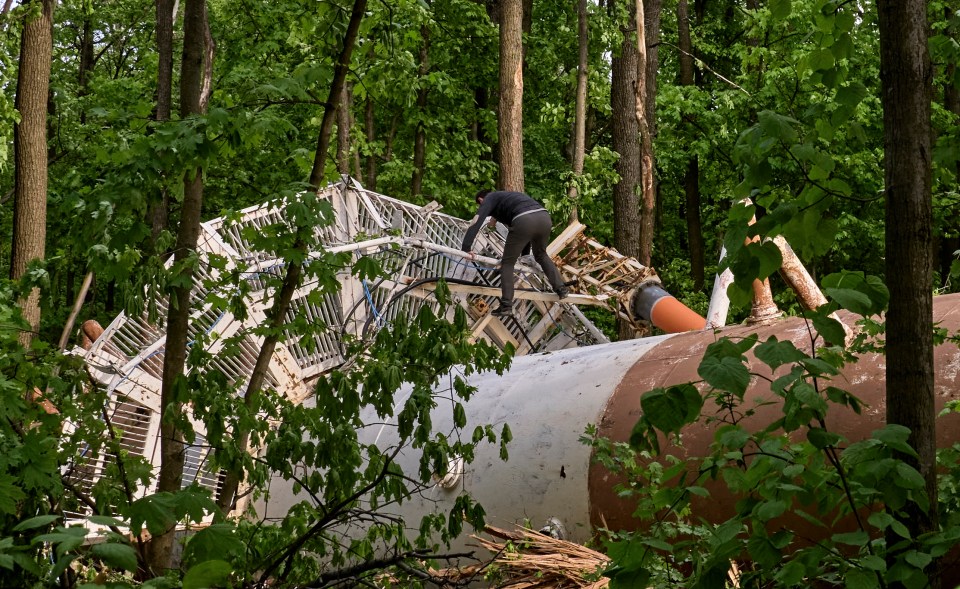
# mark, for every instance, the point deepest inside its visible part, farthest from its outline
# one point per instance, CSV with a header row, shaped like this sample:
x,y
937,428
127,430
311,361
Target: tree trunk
x,y
951,101
291,280
371,131
30,156
906,90
158,211
336,86
510,123
178,316
648,24
580,111
420,137
343,130
625,141
691,180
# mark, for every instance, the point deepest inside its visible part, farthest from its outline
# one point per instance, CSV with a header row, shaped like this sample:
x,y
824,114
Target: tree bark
x,y
420,136
294,270
625,140
178,316
510,123
30,157
951,101
158,211
336,86
369,127
906,82
580,110
648,25
691,180
343,130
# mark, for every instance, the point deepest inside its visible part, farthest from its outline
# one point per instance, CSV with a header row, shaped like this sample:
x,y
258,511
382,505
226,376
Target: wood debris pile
x,y
527,559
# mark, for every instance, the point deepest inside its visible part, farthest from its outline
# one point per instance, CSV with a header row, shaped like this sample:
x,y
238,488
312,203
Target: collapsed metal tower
x,y
417,244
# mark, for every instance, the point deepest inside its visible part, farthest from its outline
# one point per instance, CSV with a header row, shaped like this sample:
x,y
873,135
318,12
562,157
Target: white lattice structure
x,y
416,244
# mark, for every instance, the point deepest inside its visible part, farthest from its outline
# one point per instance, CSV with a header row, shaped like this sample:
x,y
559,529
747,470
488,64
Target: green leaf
x,y
852,94
215,542
829,328
763,552
670,409
895,437
777,125
792,573
918,559
908,477
39,521
725,373
858,538
859,579
880,520
850,299
629,579
780,9
210,573
775,353
118,556
821,438
768,510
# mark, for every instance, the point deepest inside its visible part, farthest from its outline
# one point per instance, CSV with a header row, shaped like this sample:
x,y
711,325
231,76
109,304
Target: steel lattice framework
x,y
416,244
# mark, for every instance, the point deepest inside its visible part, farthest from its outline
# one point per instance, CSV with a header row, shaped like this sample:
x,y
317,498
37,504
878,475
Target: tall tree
x,y
178,317
691,180
158,211
369,127
906,77
340,70
30,153
294,268
625,140
420,133
580,110
510,111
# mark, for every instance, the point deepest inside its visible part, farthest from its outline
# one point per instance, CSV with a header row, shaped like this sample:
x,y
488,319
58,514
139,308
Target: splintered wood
x,y
527,559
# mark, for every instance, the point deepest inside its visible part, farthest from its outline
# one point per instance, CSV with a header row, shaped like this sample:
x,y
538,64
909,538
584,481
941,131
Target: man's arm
x,y
482,213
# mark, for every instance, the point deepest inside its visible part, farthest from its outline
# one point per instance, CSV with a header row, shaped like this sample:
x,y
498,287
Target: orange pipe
x,y
672,316
652,303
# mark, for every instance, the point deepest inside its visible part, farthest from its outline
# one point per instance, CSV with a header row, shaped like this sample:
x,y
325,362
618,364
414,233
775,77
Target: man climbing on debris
x,y
529,224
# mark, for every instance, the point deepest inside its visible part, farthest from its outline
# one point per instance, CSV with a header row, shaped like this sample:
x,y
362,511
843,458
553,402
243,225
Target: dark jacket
x,y
502,206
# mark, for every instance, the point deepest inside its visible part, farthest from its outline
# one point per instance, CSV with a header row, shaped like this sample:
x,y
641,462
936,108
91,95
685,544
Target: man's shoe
x,y
562,292
504,310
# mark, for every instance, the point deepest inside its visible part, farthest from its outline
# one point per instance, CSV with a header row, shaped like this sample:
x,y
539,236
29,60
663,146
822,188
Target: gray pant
x,y
534,229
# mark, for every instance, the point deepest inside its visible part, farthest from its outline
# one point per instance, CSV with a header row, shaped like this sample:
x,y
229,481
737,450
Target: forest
x,y
664,126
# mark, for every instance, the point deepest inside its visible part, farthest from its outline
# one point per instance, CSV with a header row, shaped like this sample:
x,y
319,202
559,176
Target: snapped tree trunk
x,y
510,122
647,10
906,82
30,156
178,316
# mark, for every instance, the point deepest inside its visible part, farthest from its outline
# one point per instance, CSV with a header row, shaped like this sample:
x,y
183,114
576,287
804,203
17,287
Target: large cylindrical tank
x,y
548,399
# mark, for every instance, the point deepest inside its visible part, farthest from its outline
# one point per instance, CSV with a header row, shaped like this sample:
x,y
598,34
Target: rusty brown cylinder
x,y
676,361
